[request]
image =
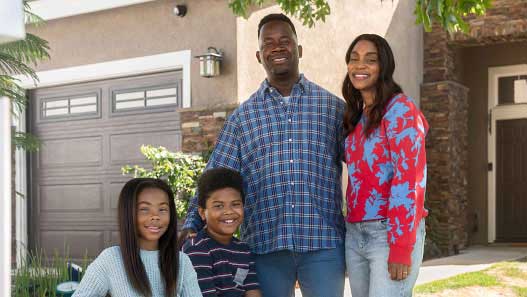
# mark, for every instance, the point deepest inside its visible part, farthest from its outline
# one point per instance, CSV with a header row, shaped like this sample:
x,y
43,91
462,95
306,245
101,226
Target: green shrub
x,y
39,275
180,170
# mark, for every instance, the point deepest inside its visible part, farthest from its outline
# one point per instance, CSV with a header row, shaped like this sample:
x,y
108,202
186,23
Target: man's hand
x,y
398,271
253,293
184,235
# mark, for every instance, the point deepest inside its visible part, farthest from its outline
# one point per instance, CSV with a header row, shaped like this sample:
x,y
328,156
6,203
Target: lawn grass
x,y
520,292
489,277
512,271
478,278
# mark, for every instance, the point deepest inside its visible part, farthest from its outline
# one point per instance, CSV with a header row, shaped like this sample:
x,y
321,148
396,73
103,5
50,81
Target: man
x,y
286,142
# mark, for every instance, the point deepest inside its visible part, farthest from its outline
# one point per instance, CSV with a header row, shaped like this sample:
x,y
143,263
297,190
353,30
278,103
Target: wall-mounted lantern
x,y
209,63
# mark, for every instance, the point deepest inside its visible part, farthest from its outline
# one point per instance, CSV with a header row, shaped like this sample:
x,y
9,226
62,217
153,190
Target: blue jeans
x,y
367,260
320,273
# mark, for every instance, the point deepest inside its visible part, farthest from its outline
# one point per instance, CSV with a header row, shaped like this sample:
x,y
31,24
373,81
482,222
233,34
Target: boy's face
x,y
223,214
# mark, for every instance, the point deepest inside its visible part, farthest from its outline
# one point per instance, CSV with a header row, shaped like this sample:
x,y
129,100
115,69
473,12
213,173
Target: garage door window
x,y
144,99
69,107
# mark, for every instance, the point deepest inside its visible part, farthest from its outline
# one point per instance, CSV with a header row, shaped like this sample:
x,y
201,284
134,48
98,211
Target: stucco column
x,y
444,102
5,196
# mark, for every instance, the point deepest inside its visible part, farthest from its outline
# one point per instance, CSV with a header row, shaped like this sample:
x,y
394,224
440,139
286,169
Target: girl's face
x,y
153,217
363,66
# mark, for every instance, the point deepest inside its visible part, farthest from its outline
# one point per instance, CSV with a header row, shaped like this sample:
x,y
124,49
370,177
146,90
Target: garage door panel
x,y
114,238
113,192
76,176
81,197
71,152
74,243
124,148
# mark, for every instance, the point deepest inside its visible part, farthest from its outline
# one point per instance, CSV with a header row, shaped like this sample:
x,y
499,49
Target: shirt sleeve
x,y
226,153
406,129
251,282
202,263
189,284
94,282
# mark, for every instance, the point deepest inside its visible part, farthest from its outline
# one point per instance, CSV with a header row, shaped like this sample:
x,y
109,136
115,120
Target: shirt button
x,y
292,206
289,120
290,140
292,183
290,161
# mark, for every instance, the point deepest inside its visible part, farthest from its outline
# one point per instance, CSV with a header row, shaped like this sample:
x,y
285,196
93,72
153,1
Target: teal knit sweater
x,y
106,274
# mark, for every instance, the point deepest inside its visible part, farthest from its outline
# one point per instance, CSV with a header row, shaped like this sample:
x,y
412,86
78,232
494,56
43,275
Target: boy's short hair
x,y
216,179
275,17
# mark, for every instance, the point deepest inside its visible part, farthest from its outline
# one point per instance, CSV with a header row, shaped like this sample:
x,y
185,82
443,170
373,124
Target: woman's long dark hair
x,y
385,87
168,251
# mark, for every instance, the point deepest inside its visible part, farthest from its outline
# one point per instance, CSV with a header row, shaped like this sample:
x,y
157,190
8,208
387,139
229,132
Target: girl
x,y
147,261
386,159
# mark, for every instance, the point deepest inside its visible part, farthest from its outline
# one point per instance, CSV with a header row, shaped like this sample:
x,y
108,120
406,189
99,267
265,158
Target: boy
x,y
224,265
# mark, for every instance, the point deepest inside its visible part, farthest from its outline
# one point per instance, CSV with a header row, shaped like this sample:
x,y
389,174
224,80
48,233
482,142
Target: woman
x,y
386,160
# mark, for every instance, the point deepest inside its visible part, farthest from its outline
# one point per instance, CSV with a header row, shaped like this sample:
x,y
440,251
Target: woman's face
x,y
153,217
363,66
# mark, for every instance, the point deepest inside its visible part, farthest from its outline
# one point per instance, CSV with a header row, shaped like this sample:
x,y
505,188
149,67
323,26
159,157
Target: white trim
x,y
56,9
515,111
19,121
115,69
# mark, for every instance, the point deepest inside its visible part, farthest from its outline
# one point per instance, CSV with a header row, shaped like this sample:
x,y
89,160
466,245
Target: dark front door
x,y
511,180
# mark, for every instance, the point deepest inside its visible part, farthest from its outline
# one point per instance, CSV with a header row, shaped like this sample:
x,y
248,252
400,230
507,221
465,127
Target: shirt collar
x,y
265,87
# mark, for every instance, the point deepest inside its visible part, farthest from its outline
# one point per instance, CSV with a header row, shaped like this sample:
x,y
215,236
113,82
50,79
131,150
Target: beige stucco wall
x,y
325,45
148,29
474,62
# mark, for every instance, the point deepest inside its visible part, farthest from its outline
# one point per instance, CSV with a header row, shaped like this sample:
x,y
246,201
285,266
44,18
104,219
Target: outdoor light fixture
x,y
180,10
209,63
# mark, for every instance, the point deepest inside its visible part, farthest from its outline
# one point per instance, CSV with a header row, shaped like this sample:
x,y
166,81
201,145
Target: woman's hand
x,y
398,271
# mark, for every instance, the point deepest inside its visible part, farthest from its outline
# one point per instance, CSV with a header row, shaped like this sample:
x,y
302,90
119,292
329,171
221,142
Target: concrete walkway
x,y
474,258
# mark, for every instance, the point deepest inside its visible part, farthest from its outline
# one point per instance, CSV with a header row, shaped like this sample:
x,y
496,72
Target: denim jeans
x,y
320,273
367,260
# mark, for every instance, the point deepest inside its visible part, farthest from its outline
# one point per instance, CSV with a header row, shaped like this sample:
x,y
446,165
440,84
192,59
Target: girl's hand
x,y
398,271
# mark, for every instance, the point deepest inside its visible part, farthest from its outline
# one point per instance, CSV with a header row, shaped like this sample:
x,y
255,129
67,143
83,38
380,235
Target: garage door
x,y
88,132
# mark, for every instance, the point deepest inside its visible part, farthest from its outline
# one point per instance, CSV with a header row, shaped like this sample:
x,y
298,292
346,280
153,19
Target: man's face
x,y
279,52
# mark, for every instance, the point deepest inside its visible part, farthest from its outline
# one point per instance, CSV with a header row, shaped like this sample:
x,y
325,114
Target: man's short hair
x,y
215,179
275,17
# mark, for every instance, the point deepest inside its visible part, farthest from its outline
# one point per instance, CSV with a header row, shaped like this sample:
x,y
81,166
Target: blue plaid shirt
x,y
289,155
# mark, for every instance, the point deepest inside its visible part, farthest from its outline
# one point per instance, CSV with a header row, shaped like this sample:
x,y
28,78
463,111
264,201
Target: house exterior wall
x,y
325,45
148,29
474,74
445,102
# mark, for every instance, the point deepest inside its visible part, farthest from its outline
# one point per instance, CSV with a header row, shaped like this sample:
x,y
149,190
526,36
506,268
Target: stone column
x,y
200,127
444,102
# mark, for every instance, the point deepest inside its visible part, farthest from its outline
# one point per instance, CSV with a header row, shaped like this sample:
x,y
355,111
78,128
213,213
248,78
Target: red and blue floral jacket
x,y
387,174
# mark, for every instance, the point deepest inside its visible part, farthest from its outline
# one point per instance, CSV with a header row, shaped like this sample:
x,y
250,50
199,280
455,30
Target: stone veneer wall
x,y
200,127
444,101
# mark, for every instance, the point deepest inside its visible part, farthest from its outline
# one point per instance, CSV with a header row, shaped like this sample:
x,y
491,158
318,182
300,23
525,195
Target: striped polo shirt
x,y
223,270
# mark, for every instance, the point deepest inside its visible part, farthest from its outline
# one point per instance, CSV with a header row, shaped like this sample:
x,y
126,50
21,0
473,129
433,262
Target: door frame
x,y
496,113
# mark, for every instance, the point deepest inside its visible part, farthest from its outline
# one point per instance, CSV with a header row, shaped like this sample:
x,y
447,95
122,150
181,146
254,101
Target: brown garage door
x,y
88,132
511,180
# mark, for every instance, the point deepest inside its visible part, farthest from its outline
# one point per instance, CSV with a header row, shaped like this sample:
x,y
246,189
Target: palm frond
x,y
30,17
10,89
10,65
29,50
26,141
